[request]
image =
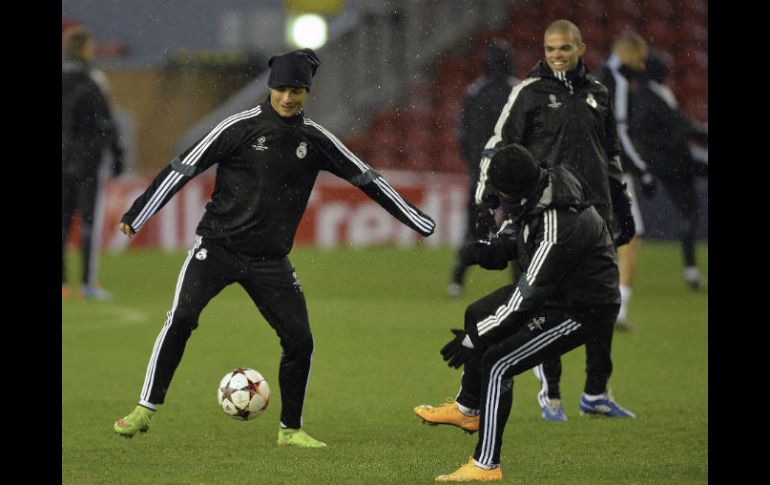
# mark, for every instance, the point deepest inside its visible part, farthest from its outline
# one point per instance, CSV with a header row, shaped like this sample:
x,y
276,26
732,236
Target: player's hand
x,y
649,185
485,223
474,252
485,216
126,229
624,218
459,350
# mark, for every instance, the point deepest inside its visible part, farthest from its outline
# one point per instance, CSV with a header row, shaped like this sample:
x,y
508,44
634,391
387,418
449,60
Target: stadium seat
x,y
624,9
589,11
696,109
696,10
659,9
530,14
557,9
595,33
692,59
661,35
693,32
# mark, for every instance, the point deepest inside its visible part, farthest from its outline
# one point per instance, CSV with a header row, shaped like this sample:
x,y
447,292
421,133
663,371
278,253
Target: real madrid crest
x,y
301,150
590,100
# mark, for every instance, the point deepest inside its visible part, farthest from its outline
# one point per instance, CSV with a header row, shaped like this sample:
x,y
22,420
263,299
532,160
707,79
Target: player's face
x,y
634,58
287,100
562,51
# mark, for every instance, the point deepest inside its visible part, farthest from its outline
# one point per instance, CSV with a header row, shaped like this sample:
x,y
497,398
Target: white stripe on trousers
x,y
542,396
495,382
149,377
98,224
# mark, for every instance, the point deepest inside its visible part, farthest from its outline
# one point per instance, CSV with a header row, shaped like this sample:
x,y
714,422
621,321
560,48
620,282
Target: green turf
x,y
379,317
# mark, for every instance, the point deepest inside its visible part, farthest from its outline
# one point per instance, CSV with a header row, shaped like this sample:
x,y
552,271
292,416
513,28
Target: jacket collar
x,y
575,76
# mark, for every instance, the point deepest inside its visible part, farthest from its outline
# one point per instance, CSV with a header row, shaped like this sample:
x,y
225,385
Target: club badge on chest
x,y
301,151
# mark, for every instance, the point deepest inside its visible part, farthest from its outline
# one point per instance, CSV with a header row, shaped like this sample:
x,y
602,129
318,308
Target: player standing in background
x,y
269,157
623,68
664,134
88,129
481,108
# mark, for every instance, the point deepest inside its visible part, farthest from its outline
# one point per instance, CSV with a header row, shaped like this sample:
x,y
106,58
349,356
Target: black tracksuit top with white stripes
x,y
560,125
565,256
267,168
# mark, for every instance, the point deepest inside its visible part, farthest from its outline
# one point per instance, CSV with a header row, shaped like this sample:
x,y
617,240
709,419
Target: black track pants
x,y
487,379
274,288
79,194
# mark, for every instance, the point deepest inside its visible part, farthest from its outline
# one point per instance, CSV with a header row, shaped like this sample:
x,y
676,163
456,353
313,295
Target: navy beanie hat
x,y
295,68
513,170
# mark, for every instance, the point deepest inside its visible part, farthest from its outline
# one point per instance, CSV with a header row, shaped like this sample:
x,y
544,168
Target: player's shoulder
x,y
243,119
596,85
316,130
533,87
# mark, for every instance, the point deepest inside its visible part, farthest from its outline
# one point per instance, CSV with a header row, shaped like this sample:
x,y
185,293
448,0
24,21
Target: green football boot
x,y
138,420
297,437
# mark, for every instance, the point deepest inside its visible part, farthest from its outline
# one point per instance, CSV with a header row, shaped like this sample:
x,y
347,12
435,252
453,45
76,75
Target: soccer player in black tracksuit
x,y
664,133
567,295
619,73
88,129
564,116
269,158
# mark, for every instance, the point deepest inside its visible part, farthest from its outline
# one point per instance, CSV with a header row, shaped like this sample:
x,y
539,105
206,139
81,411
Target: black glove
x,y
649,185
485,223
621,206
475,252
485,216
456,354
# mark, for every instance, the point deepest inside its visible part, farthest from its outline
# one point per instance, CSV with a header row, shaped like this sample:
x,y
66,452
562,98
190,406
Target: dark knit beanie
x,y
295,68
513,170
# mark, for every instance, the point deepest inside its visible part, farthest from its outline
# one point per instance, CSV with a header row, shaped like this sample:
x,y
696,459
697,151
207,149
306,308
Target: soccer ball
x,y
243,394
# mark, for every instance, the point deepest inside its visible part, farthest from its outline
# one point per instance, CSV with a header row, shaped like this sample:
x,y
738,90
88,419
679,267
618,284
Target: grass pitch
x,y
378,317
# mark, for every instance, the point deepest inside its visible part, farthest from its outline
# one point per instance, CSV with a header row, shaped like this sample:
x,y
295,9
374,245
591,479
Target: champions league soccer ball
x,y
243,394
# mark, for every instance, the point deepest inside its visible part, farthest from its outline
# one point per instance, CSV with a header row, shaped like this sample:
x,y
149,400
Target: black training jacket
x,y
566,122
480,110
87,124
664,132
267,168
619,80
565,255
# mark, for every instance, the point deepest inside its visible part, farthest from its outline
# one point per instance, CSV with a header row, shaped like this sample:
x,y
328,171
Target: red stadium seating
x,y
422,134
